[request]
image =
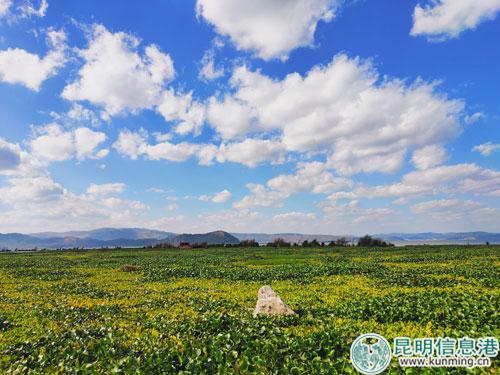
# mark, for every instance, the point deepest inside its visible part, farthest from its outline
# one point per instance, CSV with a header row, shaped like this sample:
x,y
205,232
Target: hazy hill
x,y
23,241
107,234
264,238
441,238
122,238
138,237
212,238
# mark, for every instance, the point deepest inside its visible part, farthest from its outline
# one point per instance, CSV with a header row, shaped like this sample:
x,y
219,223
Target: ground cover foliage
x,y
190,311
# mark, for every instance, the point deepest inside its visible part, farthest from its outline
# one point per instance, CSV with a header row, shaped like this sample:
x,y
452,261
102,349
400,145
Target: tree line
x,y
365,241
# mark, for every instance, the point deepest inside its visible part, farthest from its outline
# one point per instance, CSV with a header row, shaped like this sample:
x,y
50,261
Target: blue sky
x,y
318,116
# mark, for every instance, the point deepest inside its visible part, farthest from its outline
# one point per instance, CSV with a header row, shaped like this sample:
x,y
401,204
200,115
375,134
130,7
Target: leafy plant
x,y
190,311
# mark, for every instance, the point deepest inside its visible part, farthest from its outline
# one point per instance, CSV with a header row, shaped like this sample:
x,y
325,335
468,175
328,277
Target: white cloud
x,y
230,117
10,155
428,156
106,189
116,77
443,206
487,148
172,207
447,179
77,115
440,175
176,152
28,9
232,220
188,114
134,145
112,202
221,197
117,203
162,137
250,152
24,9
156,190
350,215
466,214
444,19
35,202
342,195
18,66
4,7
86,142
355,214
293,217
41,204
131,144
34,190
81,114
208,70
260,196
16,162
270,28
52,143
310,177
473,118
345,110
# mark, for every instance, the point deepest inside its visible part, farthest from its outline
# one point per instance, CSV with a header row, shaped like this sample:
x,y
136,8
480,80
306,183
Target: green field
x,y
190,311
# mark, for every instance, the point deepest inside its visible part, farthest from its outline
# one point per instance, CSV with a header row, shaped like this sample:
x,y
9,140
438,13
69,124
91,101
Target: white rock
x,y
269,303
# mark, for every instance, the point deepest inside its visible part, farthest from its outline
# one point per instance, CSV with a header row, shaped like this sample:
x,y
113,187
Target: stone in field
x,y
269,303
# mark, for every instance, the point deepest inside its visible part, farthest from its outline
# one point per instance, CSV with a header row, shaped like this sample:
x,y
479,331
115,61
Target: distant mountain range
x,y
138,237
441,238
213,238
109,237
263,238
106,234
395,238
23,241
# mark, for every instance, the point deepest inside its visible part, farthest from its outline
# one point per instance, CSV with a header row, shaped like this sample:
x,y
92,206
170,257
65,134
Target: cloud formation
x,y
28,9
291,218
52,143
486,149
323,136
24,9
466,214
310,177
106,189
270,28
445,179
188,114
428,156
4,7
116,76
250,152
18,66
220,197
208,69
10,155
445,19
345,110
